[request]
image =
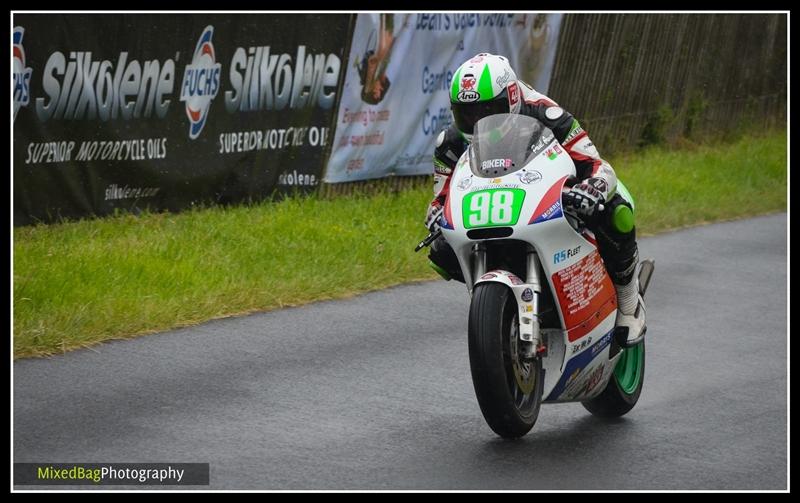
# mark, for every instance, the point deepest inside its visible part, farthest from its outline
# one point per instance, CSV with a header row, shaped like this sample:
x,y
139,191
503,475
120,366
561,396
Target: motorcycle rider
x,y
486,85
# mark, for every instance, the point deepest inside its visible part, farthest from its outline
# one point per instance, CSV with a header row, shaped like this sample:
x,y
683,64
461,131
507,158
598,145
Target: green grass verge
x,y
76,284
700,184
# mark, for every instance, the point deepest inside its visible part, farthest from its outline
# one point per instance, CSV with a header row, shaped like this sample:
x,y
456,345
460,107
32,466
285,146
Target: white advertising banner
x,y
395,98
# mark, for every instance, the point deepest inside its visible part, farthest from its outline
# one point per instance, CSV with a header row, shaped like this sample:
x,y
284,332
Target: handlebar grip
x,y
428,240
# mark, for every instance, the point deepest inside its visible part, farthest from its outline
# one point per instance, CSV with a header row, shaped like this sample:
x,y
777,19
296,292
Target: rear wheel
x,y
623,389
509,390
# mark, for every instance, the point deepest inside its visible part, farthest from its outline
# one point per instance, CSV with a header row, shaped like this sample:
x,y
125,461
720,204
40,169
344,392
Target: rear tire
x,y
623,388
509,391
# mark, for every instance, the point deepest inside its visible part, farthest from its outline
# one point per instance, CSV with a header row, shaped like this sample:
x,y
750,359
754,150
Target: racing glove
x,y
585,197
434,212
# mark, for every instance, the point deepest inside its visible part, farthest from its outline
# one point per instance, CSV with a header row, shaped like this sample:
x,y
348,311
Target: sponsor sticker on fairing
x,y
496,163
515,280
581,345
601,345
565,254
542,143
549,212
201,82
594,378
528,177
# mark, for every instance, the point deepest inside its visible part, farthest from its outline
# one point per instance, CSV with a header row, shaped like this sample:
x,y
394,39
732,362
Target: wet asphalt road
x,y
374,392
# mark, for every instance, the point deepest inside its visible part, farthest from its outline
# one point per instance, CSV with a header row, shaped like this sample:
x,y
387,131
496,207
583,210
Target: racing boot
x,y
630,325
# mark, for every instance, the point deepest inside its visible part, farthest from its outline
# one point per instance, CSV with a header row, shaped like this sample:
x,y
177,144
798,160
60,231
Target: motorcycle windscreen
x,y
505,143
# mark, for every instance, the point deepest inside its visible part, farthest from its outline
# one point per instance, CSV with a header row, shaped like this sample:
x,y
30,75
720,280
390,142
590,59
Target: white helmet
x,y
482,86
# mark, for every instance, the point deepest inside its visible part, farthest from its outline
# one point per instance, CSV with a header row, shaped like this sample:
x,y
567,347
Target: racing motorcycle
x,y
543,307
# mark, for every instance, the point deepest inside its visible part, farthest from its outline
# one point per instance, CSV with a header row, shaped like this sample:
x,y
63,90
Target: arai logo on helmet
x,y
22,74
200,83
468,96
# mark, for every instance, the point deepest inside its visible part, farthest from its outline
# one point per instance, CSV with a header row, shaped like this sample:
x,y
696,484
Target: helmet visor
x,y
465,115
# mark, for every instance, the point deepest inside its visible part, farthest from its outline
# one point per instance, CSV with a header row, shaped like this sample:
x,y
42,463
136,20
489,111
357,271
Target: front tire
x,y
623,388
509,391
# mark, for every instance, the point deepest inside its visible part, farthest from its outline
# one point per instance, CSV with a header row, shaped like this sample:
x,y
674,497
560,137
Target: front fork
x,y
532,339
529,329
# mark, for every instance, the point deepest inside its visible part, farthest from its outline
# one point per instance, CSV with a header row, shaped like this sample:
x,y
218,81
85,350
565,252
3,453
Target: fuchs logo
x,y
468,96
200,83
468,83
22,74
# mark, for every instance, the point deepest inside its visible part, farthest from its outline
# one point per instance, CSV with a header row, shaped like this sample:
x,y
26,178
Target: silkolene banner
x,y
169,111
395,97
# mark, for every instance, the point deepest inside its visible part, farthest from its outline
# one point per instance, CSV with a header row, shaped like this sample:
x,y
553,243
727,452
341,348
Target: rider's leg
x,y
616,239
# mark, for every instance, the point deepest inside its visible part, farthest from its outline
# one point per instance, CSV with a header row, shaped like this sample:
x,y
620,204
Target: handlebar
x,y
428,240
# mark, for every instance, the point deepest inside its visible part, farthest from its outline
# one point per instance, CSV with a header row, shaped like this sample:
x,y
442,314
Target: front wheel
x,y
509,390
623,388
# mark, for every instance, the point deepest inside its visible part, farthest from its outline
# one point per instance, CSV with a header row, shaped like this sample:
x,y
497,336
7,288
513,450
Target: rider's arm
x,y
575,140
449,147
